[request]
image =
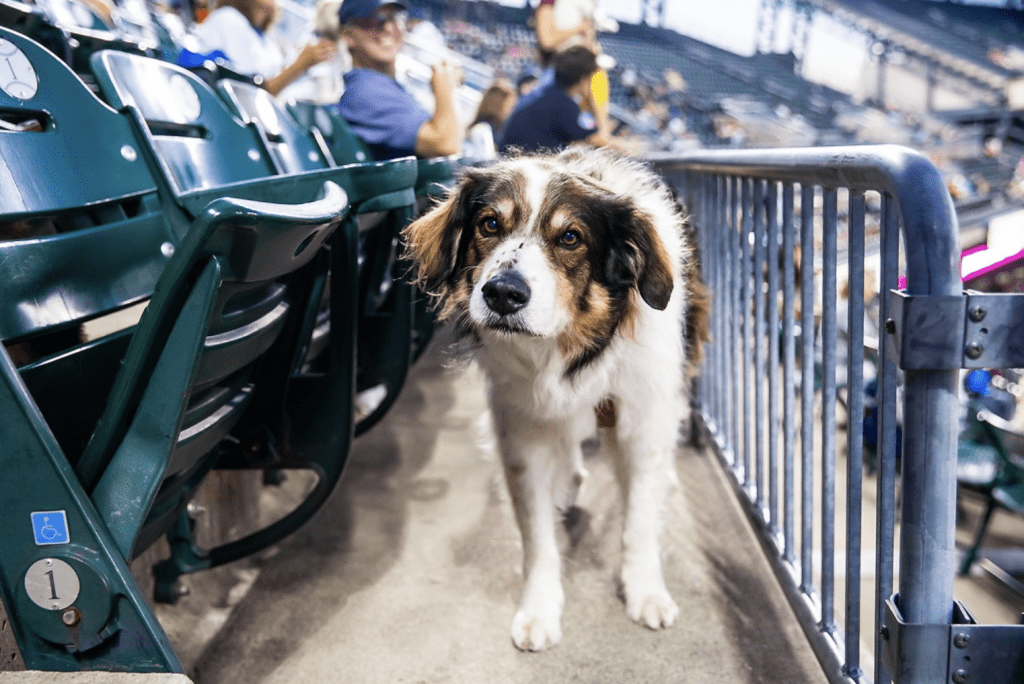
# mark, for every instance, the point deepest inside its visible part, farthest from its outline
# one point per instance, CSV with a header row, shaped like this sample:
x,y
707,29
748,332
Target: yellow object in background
x,y
601,89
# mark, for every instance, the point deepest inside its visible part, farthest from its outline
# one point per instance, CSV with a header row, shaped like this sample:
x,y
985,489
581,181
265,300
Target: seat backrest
x,y
345,146
220,333
198,140
82,234
294,147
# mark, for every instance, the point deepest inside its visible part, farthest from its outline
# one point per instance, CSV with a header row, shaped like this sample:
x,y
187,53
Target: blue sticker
x,y
50,527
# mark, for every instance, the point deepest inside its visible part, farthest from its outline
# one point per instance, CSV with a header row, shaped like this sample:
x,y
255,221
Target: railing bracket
x,y
973,330
988,654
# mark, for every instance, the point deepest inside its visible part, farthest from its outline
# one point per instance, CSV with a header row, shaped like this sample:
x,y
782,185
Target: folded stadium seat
x,y
105,441
294,148
990,462
383,206
433,177
345,146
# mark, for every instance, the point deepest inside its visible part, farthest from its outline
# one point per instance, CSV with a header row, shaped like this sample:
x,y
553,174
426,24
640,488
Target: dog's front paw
x,y
654,608
536,630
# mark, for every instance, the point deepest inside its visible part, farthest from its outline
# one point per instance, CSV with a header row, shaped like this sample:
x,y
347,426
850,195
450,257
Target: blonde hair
x,y
325,19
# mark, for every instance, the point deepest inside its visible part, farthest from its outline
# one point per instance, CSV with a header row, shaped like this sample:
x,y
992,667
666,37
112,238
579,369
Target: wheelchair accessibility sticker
x,y
50,527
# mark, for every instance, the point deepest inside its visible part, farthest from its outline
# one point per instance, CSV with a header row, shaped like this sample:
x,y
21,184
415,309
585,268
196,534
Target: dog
x,y
573,279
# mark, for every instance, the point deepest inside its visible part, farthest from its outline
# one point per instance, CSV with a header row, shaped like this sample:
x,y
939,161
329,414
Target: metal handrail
x,y
743,205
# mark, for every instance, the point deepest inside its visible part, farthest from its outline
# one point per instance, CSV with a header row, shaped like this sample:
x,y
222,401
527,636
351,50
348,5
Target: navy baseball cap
x,y
361,9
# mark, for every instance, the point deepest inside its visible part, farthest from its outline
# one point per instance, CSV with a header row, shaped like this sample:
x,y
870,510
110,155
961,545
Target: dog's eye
x,y
570,239
489,226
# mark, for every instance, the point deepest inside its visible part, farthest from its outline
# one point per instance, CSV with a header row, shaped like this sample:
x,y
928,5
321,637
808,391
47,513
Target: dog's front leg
x,y
529,472
645,469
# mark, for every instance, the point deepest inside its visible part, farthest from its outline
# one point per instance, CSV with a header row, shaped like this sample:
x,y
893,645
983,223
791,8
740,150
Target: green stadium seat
x,y
82,235
294,148
106,440
345,146
990,462
393,325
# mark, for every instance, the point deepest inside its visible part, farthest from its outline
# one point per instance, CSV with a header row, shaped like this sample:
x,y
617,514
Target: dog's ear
x,y
639,256
433,240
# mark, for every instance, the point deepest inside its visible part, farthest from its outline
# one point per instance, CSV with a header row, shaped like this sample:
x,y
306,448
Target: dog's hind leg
x,y
570,473
530,464
645,466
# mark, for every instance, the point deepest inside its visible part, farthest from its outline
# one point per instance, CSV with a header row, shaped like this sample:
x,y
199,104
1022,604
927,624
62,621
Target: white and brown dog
x,y
572,277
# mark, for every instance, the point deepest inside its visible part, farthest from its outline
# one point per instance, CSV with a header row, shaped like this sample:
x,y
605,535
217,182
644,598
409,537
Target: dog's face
x,y
529,247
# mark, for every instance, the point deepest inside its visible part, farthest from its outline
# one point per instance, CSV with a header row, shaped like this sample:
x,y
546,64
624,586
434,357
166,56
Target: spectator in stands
x,y
496,104
569,24
526,83
562,24
239,28
549,117
377,108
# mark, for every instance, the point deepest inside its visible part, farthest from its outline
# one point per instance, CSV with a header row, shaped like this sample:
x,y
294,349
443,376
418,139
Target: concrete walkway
x,y
411,573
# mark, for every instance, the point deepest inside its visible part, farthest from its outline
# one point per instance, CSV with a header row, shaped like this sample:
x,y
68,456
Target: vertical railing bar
x,y
735,336
721,318
705,229
828,408
773,358
886,459
690,199
807,194
707,214
759,334
745,295
788,365
720,321
726,303
854,438
708,217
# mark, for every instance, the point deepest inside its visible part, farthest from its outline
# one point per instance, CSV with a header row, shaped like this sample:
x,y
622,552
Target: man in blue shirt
x,y
548,118
382,113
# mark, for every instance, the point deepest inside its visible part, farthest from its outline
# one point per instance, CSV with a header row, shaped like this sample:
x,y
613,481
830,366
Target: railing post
x,y
931,409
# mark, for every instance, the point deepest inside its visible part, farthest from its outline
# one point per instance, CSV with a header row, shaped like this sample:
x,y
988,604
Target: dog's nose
x,y
506,293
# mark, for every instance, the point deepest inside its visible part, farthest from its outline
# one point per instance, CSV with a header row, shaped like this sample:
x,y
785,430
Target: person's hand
x,y
315,53
446,77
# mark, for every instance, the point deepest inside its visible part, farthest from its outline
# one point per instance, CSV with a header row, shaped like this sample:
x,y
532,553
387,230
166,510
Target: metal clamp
x,y
982,654
973,330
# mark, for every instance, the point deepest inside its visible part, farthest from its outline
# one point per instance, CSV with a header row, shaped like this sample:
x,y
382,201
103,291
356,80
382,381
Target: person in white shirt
x,y
239,28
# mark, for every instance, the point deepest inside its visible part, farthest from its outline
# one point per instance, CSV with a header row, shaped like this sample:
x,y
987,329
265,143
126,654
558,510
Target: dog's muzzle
x,y
506,293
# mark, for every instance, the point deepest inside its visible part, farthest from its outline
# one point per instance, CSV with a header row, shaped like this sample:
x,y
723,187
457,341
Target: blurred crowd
x,y
649,91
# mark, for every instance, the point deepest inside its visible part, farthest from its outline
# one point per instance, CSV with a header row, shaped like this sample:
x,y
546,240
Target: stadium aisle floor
x,y
411,573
